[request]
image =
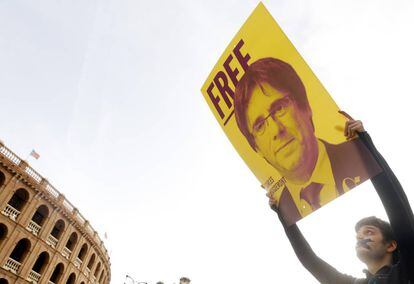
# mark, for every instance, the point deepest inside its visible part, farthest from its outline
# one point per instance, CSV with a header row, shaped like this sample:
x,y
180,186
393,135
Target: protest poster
x,y
282,121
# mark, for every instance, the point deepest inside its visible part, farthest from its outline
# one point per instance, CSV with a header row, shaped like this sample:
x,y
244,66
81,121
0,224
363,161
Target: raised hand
x,y
352,126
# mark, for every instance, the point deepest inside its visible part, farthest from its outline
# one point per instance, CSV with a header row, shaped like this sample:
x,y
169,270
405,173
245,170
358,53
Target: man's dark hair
x,y
185,279
385,229
383,226
278,74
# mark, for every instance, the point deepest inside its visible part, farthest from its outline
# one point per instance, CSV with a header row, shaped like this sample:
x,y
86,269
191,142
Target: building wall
x,y
22,238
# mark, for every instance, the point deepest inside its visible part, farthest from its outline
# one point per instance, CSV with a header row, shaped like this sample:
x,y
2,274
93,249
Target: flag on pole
x,y
34,154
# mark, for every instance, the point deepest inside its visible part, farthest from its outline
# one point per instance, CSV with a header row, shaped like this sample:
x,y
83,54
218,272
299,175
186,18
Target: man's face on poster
x,y
283,132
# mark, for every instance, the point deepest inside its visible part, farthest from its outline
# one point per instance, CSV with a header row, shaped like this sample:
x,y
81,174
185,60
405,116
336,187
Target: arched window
x,y
82,252
2,179
58,229
40,215
3,233
41,263
97,269
20,250
57,273
72,241
71,279
19,199
3,281
91,261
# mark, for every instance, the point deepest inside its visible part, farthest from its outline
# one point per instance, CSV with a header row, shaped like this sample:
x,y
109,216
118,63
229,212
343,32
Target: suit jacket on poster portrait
x,y
351,164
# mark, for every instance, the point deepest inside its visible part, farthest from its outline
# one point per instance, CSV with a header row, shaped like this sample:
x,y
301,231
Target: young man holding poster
x,y
386,249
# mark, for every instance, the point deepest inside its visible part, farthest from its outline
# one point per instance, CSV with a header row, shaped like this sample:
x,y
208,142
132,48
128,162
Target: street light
x,y
127,276
133,280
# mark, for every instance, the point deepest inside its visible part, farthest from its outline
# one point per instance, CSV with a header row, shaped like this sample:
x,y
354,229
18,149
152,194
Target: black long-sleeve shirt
x,y
401,219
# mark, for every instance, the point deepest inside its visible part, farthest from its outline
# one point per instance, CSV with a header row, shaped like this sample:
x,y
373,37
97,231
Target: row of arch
x,y
71,280
22,249
18,201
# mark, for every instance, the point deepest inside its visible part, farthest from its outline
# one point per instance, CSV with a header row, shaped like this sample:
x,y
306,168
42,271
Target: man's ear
x,y
392,246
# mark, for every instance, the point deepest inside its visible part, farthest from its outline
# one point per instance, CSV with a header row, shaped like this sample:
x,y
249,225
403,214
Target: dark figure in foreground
x,y
387,249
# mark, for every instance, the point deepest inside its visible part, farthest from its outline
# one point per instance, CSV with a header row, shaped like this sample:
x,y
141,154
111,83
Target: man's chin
x,y
288,164
291,150
363,253
286,169
362,249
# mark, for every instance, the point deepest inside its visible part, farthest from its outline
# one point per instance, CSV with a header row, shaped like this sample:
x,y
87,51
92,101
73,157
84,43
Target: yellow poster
x,y
282,121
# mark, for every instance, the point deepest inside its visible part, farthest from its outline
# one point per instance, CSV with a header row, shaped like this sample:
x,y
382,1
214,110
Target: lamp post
x,y
133,280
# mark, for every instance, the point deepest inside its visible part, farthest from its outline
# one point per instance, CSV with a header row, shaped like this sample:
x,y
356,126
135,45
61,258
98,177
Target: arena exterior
x,y
43,237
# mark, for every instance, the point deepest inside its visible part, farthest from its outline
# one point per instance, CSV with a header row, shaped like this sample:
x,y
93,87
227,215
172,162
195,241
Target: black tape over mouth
x,y
364,243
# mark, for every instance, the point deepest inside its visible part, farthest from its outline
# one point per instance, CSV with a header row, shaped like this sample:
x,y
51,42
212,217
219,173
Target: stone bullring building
x,y
43,237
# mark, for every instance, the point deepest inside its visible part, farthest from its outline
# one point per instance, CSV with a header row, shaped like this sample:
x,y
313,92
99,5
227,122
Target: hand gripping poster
x,y
282,121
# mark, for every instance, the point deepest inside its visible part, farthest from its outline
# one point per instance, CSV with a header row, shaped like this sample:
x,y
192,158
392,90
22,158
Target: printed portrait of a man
x,y
274,115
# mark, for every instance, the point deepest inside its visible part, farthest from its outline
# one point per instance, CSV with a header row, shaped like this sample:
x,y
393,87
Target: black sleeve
x,y
321,270
396,205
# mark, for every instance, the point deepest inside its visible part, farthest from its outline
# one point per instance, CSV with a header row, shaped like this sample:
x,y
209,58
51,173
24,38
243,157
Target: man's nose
x,y
276,128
